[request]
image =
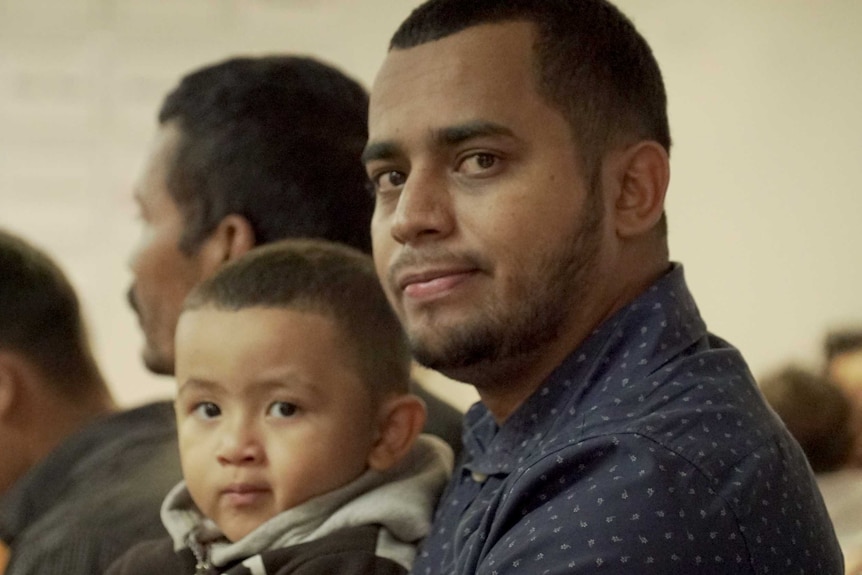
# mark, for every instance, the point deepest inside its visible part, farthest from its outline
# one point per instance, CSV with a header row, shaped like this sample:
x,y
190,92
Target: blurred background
x,y
766,191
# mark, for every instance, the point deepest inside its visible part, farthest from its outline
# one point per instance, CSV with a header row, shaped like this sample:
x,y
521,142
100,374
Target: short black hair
x,y
839,342
276,139
591,64
816,413
40,317
321,277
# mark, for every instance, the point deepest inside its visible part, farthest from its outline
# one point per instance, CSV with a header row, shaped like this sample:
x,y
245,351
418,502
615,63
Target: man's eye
x,y
282,409
478,163
389,180
207,410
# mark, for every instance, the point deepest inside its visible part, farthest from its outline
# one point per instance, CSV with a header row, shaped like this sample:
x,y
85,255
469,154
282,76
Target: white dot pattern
x,y
648,451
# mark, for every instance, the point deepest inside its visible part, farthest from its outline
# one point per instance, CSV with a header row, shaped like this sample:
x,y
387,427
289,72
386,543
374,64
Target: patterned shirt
x,y
649,450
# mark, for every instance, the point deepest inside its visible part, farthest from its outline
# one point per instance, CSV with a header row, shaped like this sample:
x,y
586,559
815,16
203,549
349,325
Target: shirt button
x,y
478,477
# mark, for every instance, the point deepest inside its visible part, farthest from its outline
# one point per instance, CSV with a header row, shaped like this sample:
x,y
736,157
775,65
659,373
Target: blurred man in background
x,y
248,151
80,481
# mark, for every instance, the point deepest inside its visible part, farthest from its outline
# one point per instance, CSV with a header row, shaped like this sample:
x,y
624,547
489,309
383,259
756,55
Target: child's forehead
x,y
213,316
290,344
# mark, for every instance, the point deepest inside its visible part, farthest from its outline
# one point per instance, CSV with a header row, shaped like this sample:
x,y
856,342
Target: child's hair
x,y
326,278
816,412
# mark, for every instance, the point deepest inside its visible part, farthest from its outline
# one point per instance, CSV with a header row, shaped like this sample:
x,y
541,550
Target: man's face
x,y
487,238
271,412
846,371
162,274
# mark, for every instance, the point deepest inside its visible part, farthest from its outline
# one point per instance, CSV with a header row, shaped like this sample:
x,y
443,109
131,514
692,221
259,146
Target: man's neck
x,y
504,385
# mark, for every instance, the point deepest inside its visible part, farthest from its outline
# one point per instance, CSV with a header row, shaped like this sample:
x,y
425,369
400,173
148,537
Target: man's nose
x,y
424,209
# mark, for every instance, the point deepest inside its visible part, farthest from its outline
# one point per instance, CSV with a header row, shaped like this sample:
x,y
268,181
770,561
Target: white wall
x,y
765,103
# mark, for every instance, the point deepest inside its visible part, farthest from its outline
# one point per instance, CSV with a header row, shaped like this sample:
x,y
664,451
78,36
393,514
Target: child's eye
x,y
282,409
207,410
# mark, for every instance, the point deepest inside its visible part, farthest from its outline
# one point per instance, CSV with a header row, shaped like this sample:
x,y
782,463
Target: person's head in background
x,y
248,151
50,385
843,354
519,154
292,375
843,366
817,413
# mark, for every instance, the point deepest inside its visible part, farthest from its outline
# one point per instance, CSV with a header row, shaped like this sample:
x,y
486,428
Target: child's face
x,y
270,412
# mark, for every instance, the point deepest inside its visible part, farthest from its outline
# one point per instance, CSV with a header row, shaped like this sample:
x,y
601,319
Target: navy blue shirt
x,y
648,451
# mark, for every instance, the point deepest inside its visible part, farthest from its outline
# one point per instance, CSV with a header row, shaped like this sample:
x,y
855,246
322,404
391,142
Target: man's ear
x,y
401,420
10,384
232,237
644,173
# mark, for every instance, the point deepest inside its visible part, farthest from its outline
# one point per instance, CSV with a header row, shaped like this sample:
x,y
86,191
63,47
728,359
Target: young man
x,y
248,151
297,434
80,482
519,152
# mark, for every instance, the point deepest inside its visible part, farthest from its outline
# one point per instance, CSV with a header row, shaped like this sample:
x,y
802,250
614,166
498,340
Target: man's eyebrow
x,y
470,130
379,151
444,137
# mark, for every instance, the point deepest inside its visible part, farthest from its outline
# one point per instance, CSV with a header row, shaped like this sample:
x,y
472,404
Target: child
x,y
298,438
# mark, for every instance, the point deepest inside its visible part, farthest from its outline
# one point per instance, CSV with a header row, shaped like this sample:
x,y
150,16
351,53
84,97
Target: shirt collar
x,y
665,309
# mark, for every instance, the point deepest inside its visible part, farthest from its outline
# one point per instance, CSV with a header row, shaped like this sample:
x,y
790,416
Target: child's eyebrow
x,y
194,384
289,382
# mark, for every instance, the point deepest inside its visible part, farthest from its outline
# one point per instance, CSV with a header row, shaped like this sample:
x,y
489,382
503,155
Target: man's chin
x,y
459,350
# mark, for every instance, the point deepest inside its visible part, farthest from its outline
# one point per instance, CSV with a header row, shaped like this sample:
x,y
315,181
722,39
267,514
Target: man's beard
x,y
154,360
536,312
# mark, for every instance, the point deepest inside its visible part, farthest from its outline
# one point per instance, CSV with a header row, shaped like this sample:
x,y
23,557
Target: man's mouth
x,y
434,282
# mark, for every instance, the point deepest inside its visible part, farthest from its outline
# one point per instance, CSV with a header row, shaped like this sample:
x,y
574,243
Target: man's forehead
x,y
153,174
472,68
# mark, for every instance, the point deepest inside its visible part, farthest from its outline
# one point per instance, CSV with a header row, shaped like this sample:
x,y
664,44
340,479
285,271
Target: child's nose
x,y
240,445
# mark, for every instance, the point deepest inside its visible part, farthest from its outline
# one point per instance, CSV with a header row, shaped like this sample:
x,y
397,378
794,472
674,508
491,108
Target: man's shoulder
x,y
99,494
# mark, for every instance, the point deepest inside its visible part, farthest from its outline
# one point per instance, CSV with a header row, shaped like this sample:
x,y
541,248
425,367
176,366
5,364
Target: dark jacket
x,y
346,552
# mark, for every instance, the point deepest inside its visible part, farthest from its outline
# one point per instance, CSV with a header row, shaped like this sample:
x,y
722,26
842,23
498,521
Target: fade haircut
x,y
40,318
325,278
590,63
276,139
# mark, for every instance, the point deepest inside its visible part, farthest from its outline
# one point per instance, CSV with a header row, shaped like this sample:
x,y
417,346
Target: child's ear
x,y
401,421
10,384
7,388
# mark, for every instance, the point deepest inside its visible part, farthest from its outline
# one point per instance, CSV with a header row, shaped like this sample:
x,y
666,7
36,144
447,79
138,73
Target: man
x,y
519,153
249,151
843,354
80,482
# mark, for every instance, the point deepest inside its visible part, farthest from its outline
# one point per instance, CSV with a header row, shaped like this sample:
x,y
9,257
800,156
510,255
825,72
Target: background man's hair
x,y
40,317
841,341
275,139
591,64
321,277
815,412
